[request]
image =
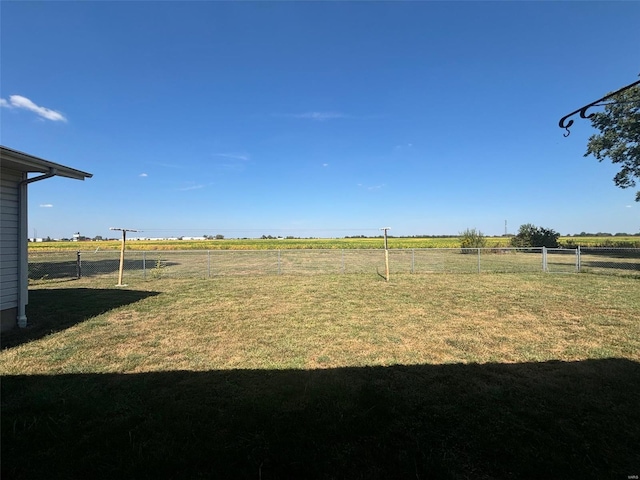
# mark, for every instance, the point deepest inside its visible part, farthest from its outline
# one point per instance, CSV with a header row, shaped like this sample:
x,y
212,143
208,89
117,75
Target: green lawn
x,y
345,376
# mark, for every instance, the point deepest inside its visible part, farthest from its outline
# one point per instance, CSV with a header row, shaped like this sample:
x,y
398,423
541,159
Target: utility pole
x,y
386,253
124,239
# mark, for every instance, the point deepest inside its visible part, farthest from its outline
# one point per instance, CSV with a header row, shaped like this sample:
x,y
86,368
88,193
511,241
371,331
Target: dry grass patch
x,y
336,321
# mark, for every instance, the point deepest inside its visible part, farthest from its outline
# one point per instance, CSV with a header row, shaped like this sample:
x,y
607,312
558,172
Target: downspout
x,y
23,256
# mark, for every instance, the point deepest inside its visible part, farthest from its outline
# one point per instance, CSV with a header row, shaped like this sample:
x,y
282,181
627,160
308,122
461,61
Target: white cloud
x,y
629,206
18,101
143,175
46,205
325,164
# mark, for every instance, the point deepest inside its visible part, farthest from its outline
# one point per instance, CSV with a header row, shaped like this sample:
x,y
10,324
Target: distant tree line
x,y
605,234
528,235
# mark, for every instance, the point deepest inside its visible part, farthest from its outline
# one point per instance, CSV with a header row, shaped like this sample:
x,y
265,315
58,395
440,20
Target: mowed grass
x,y
345,376
280,322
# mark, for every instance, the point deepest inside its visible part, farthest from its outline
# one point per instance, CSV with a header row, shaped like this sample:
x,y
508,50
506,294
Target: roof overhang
x,y
23,162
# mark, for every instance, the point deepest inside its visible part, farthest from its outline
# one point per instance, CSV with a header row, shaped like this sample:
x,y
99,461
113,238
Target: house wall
x,y
9,221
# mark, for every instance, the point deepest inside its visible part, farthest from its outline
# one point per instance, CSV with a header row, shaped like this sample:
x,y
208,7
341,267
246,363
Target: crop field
x,y
525,375
264,244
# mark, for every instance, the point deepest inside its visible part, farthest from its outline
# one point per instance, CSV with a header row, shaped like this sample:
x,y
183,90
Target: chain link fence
x,y
215,263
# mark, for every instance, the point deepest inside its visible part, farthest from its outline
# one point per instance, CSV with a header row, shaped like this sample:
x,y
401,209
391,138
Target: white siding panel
x,y
9,214
9,298
8,222
6,268
9,240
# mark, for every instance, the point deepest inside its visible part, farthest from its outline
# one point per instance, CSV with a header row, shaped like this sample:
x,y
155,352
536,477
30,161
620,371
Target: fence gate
x,y
561,260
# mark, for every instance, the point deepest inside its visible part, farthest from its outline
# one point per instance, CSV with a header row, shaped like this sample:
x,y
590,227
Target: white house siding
x,y
9,209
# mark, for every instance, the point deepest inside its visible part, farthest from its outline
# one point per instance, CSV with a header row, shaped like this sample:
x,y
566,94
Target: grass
x,y
345,376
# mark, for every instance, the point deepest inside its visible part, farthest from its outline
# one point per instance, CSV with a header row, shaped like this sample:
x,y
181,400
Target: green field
x,y
314,243
333,376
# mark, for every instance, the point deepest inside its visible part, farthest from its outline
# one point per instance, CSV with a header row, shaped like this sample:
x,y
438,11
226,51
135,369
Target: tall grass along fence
x,y
214,263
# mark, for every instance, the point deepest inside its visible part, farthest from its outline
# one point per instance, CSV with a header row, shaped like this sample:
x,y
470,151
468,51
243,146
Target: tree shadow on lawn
x,y
53,310
552,420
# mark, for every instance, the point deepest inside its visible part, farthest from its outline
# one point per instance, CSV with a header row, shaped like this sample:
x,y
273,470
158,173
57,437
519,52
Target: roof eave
x,y
24,162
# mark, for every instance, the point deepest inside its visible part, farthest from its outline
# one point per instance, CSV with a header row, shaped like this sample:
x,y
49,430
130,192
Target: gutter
x,y
52,173
23,262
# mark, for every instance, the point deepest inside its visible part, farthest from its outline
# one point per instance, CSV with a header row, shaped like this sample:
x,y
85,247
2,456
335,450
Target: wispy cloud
x,y
233,156
324,116
317,116
404,146
46,205
371,188
231,162
325,164
143,175
18,101
191,187
628,206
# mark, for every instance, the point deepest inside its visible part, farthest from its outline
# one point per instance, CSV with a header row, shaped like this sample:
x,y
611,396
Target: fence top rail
x,y
582,247
257,250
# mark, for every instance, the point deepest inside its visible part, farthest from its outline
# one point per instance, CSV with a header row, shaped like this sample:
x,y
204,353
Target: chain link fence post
x,y
413,260
78,265
544,259
578,260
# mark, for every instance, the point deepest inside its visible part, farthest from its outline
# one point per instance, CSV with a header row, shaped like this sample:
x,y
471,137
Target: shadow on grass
x,y
611,264
56,309
90,268
527,421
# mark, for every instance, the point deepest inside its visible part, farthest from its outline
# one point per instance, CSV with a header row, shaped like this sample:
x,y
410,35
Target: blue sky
x,y
315,119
